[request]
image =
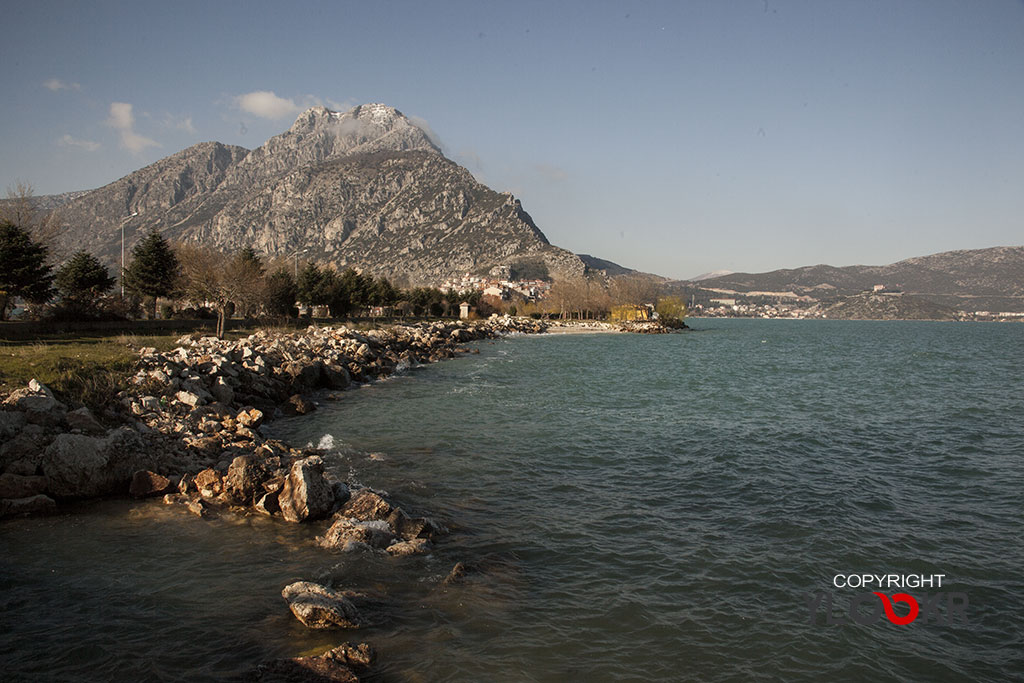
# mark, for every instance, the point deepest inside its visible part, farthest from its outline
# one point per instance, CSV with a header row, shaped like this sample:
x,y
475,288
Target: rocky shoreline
x,y
189,430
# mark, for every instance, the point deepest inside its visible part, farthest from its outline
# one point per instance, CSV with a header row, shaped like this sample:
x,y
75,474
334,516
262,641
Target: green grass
x,y
80,369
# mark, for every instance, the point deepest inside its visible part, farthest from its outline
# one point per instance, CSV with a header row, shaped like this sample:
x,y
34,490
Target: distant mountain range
x,y
969,280
368,188
364,188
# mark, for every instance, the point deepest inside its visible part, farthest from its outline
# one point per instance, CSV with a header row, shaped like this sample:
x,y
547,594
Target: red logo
x,y
890,612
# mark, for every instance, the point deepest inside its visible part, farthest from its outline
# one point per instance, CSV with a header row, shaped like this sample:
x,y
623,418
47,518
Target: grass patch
x,y
80,369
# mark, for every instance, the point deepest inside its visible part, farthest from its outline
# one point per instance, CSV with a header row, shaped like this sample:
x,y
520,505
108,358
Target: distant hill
x,y
364,188
971,280
868,306
708,276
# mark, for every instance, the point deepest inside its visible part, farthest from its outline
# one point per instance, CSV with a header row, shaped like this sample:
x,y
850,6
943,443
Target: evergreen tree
x,y
382,293
23,269
282,293
154,269
311,285
83,278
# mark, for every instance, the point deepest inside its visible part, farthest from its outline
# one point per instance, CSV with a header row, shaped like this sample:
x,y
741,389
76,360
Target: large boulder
x,y
304,377
306,494
80,466
318,606
336,377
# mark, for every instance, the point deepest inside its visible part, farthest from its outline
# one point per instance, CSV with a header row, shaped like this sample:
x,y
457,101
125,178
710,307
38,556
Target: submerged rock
x,y
193,503
376,534
318,606
414,527
297,405
457,574
32,505
337,665
415,546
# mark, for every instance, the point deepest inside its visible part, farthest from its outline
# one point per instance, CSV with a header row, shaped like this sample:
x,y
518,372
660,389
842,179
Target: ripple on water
x,y
639,508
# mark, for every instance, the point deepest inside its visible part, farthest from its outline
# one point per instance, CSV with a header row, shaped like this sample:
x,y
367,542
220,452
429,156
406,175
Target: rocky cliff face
x,y
364,188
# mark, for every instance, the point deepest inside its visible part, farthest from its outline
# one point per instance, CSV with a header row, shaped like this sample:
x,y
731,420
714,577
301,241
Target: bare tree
x,y
21,208
634,290
218,279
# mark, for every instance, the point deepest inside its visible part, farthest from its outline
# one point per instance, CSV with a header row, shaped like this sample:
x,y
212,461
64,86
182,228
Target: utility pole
x,y
123,221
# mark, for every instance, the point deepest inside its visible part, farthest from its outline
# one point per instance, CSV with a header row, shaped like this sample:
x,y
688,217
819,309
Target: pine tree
x,y
83,278
23,269
154,269
282,293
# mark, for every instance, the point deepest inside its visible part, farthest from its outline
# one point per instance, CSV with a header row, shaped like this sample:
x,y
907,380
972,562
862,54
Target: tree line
x,y
197,281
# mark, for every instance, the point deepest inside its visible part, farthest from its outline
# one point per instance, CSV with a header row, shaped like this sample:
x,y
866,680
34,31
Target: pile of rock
x,y
275,372
50,453
193,412
648,327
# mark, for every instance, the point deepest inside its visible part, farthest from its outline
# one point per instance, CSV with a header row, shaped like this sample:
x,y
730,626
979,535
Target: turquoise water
x,y
641,508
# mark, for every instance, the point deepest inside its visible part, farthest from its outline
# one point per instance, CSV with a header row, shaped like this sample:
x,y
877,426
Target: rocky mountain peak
x,y
364,188
366,128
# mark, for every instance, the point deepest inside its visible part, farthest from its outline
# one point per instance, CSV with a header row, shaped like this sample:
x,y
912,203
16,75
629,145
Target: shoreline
x,y
190,433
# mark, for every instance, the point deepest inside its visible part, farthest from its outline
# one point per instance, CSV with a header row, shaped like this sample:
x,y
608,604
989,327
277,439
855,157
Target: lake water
x,y
639,508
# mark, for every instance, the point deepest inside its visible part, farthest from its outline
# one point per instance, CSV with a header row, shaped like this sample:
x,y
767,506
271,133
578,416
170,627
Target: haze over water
x,y
642,508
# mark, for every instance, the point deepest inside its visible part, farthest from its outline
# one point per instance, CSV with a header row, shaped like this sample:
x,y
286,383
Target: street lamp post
x,y
123,221
296,255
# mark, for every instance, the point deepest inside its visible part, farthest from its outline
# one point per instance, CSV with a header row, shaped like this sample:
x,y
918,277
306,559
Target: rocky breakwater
x,y
188,427
652,326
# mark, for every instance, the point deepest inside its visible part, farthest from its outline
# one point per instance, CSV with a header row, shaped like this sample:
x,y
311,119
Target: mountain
x,y
871,306
365,188
970,280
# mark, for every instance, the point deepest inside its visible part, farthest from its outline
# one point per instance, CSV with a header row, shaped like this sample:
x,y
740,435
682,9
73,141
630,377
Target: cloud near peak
x,y
123,120
267,105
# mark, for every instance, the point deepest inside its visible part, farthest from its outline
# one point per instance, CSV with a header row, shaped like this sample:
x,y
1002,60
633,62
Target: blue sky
x,y
673,137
